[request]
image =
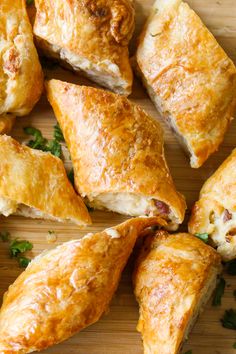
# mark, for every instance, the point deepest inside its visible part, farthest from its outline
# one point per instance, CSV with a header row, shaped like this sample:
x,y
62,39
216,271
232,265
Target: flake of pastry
x,y
66,289
21,75
117,153
34,184
215,211
189,77
174,278
89,36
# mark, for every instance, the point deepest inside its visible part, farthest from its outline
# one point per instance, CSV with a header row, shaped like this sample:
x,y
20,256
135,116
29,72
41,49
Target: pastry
x,y
215,211
90,36
174,277
66,289
21,77
34,184
117,152
188,76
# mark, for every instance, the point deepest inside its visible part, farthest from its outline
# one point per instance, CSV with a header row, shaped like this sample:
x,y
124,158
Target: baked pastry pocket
x,y
189,77
117,153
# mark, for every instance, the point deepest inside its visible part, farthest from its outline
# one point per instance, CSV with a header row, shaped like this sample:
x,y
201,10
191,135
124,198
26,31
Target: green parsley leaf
x,y
231,267
229,319
219,292
20,246
54,147
41,143
24,262
189,352
58,136
5,236
51,232
204,237
70,175
234,345
29,2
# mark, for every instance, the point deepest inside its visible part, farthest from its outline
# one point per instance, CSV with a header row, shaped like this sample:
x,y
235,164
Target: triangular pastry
x,y
174,278
189,77
90,36
117,152
34,184
214,213
66,289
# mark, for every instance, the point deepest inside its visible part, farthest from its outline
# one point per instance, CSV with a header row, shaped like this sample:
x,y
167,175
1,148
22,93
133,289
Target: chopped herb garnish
x,y
231,267
20,246
29,2
51,232
24,262
204,237
234,345
58,136
41,143
189,352
219,293
5,236
54,147
70,175
229,319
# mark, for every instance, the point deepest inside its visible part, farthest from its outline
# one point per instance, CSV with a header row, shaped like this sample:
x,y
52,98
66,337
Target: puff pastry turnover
x,y
66,289
21,77
174,277
188,76
215,211
90,36
34,184
117,152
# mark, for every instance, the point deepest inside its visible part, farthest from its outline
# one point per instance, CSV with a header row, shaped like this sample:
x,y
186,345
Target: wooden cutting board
x,y
115,333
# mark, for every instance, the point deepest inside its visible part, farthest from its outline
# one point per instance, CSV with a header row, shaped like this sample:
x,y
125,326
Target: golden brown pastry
x,y
188,76
21,77
91,36
175,276
215,211
117,152
66,289
34,184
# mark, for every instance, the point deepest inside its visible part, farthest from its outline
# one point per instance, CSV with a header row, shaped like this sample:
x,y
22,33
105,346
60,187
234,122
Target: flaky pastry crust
x,y
38,180
115,146
91,36
215,211
174,277
21,77
188,76
66,289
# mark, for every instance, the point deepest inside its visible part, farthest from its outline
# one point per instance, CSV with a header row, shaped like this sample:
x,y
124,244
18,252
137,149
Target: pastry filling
x,y
104,73
8,207
131,204
223,232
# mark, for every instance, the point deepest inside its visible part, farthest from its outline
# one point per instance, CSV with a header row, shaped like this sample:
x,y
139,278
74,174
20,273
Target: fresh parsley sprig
x,y
219,292
41,143
204,236
20,246
229,319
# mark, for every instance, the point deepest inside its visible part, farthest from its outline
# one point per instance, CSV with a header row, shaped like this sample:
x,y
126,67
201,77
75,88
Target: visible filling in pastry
x,y
223,231
8,207
132,204
104,73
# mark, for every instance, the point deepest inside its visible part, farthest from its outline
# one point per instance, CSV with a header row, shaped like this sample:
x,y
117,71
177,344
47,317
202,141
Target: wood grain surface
x,y
116,332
